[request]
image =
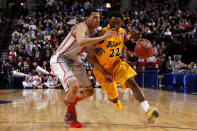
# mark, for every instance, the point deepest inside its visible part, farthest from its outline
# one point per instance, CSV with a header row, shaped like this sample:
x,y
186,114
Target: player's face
x,y
94,19
115,22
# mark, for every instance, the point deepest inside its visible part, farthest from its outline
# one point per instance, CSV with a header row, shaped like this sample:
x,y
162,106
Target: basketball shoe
x,y
70,120
118,105
152,115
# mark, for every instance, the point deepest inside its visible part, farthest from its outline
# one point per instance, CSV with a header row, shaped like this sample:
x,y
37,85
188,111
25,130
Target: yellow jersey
x,y
110,49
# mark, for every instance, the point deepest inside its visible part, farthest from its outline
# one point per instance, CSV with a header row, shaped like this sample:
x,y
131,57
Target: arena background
x,y
32,30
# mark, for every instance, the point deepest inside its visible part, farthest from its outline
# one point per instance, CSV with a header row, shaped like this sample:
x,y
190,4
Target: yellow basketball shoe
x,y
118,105
152,115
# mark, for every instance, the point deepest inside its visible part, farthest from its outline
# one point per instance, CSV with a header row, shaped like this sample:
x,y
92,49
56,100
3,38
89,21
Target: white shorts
x,y
38,84
26,84
67,71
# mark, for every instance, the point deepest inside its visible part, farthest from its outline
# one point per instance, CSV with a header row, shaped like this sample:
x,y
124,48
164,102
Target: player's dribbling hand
x,y
110,33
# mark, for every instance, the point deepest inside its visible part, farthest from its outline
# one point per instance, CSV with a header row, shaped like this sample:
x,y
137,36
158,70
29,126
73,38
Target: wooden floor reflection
x,y
43,110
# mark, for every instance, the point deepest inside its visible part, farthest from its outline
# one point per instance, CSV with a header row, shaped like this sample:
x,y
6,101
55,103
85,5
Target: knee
x,y
74,89
131,83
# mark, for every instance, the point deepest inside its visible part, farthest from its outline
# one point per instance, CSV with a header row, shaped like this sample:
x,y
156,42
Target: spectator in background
x,y
133,58
20,51
170,65
33,66
47,36
92,78
36,54
32,26
23,39
29,44
16,35
10,63
13,52
31,34
3,74
194,68
152,59
178,64
26,67
45,65
29,53
38,80
20,67
14,41
47,55
52,82
28,82
163,57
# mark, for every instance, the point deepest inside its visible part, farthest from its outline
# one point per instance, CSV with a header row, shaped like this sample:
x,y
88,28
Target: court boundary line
x,y
108,124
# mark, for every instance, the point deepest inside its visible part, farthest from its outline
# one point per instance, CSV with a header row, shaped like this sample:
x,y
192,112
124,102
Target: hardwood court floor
x,y
43,110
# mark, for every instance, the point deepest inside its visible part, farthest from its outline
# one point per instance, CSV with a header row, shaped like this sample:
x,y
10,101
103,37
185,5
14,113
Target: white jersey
x,y
29,79
65,62
69,49
37,80
52,80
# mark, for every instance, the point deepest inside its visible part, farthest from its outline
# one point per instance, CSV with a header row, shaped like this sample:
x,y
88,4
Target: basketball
x,y
143,49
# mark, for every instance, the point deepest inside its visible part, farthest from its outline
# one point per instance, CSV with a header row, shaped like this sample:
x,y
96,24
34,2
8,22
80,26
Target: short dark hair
x,y
115,14
89,11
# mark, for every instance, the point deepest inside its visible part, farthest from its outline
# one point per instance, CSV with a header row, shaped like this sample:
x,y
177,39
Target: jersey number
x,y
112,52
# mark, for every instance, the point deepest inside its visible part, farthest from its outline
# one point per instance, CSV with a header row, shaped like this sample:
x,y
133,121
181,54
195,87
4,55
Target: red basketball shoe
x,y
70,120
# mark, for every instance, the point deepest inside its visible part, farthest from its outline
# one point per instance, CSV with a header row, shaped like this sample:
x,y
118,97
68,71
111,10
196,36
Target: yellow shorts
x,y
120,72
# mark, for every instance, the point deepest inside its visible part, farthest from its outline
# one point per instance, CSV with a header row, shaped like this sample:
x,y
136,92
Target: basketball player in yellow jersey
x,y
109,69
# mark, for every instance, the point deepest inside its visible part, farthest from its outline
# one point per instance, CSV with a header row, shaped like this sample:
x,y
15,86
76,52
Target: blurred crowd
x,y
2,18
164,23
38,80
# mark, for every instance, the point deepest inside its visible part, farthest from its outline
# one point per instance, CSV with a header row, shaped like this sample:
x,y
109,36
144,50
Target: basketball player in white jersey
x,y
38,80
66,65
52,82
28,82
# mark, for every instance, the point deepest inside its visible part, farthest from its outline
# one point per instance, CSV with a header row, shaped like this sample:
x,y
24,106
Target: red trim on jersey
x,y
62,68
63,53
69,77
64,43
66,50
81,52
70,35
68,47
53,72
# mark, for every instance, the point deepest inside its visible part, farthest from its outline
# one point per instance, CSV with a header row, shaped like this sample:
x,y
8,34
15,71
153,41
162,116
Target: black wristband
x,y
130,45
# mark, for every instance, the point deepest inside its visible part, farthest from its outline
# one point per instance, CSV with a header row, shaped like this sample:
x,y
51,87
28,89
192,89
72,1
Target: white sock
x,y
145,106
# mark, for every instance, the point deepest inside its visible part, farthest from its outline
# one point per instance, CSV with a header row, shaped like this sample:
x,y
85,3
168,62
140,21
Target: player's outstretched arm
x,y
83,41
128,43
